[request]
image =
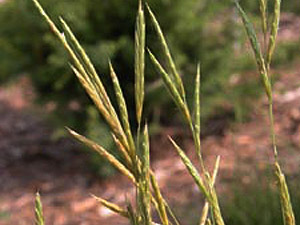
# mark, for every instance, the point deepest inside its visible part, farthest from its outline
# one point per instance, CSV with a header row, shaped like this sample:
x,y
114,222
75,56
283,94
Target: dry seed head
x,y
111,206
104,153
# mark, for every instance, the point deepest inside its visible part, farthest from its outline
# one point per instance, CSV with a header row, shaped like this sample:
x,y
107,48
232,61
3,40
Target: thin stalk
x,y
273,135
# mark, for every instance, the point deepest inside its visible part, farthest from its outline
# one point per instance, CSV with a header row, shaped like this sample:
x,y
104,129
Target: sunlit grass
x,y
134,146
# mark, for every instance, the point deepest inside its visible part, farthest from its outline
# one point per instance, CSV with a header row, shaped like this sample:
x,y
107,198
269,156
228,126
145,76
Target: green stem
x,y
273,135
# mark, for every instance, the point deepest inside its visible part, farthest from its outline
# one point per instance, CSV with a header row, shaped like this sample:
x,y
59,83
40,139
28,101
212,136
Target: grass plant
x,y
263,60
135,149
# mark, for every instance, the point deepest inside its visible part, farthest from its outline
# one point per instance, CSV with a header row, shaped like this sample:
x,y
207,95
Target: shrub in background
x,y
105,30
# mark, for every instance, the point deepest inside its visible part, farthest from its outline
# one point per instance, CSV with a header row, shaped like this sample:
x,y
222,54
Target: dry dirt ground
x,y
31,160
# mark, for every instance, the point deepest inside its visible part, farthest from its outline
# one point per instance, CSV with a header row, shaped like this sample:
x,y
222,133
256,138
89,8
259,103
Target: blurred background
x,y
39,96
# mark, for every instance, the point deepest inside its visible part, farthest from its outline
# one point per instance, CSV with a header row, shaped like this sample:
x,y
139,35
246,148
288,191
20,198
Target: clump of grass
x,y
135,149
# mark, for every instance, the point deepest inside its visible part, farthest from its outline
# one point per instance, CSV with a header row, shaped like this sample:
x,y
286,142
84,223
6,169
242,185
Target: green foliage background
x,y
196,30
105,28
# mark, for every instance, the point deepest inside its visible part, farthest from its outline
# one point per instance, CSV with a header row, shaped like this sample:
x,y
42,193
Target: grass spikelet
x,y
113,123
160,201
171,87
111,206
88,66
166,51
140,36
62,38
256,49
264,19
144,196
286,206
123,151
39,217
203,218
87,76
192,170
123,110
274,30
104,153
97,101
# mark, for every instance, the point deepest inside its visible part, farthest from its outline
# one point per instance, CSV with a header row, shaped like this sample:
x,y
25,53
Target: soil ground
x,y
31,160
